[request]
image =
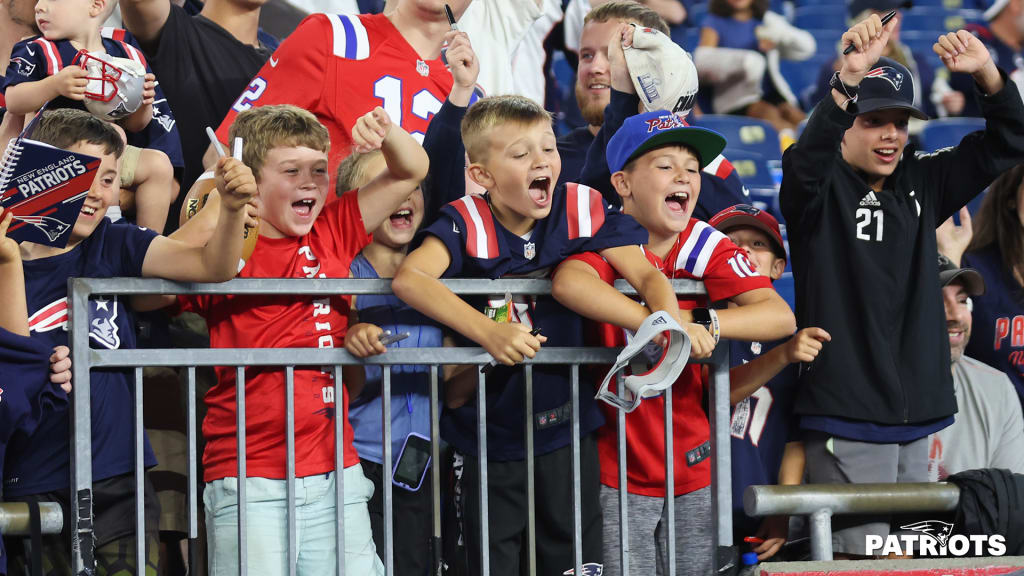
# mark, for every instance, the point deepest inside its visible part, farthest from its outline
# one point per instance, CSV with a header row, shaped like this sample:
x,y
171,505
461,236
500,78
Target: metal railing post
x,y
191,494
721,464
623,480
577,516
531,497
140,472
436,568
83,538
339,468
821,535
670,486
240,439
389,526
481,442
289,434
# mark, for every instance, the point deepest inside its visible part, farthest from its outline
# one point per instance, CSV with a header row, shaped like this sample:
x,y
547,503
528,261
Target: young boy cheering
x,y
862,215
523,226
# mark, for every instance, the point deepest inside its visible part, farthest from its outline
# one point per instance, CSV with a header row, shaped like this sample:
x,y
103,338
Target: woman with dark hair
x,y
997,252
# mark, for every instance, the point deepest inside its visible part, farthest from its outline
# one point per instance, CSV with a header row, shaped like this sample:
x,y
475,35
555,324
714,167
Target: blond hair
x,y
281,125
627,11
352,172
483,116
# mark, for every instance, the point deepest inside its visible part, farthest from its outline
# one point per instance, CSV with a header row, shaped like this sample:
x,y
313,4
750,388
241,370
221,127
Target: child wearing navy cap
x,y
656,159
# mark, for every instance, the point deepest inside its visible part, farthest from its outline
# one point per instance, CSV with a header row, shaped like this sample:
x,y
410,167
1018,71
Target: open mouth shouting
x,y
401,220
304,208
540,191
678,202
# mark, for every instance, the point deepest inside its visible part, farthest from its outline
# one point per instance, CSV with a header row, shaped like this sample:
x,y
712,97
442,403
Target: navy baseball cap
x,y
888,85
972,280
650,130
856,7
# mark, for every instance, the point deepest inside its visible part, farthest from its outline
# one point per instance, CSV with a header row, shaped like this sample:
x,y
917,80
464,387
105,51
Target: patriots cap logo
x,y
889,74
665,122
937,529
746,209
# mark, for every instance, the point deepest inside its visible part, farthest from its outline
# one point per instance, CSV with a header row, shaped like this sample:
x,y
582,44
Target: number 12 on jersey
x,y
865,216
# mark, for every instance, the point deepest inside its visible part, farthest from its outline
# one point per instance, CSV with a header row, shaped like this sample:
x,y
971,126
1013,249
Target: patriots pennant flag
x,y
44,187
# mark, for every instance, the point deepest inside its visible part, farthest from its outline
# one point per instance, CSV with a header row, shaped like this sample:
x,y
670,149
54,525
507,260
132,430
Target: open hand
x,y
952,239
371,130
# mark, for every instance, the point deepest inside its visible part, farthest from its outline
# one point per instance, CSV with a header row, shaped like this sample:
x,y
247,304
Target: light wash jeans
x,y
267,525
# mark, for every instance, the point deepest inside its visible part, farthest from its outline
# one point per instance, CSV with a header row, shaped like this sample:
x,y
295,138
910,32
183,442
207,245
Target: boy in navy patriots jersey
x,y
37,467
763,381
28,393
523,227
656,161
49,68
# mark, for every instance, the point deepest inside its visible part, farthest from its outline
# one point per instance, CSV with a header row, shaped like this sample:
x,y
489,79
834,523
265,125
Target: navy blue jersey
x,y
36,58
26,396
480,247
39,462
997,337
761,425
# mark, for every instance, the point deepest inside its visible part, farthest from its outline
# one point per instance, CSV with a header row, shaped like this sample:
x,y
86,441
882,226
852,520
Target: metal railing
x,y
85,359
822,501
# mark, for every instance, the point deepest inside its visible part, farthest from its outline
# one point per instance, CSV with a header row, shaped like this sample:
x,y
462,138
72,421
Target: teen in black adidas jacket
x,y
863,242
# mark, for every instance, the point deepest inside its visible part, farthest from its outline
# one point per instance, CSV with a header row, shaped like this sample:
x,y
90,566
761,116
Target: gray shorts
x,y
833,460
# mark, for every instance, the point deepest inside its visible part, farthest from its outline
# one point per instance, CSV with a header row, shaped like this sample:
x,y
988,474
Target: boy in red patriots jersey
x,y
304,233
656,160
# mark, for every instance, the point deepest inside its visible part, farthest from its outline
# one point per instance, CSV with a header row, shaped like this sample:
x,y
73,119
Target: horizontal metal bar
x,y
851,498
333,356
333,286
14,518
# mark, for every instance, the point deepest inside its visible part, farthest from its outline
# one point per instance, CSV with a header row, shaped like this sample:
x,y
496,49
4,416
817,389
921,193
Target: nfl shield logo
x,y
422,68
529,250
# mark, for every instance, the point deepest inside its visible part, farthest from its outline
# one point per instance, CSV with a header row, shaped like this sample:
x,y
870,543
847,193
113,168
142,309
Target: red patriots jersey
x,y
340,67
279,321
700,253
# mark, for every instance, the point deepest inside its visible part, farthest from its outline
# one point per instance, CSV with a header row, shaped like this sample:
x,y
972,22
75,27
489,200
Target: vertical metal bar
x,y
821,535
83,538
240,439
481,452
670,486
192,494
289,433
339,468
140,471
435,472
531,510
577,517
721,468
623,480
389,524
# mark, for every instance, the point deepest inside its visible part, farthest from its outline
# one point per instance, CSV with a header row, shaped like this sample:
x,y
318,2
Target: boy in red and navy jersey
x,y
304,233
656,160
523,227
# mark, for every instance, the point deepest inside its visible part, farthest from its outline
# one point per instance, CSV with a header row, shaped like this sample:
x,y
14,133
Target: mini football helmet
x,y
115,84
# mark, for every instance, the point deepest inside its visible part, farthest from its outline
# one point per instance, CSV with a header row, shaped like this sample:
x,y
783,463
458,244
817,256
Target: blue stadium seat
x,y
943,132
801,76
759,175
827,40
695,14
827,17
838,4
929,18
744,134
764,198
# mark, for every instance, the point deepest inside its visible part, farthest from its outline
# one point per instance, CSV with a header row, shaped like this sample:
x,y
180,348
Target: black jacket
x,y
991,502
865,263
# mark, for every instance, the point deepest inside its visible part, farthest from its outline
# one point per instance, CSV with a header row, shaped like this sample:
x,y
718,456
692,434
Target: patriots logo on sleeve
x,y
887,73
22,66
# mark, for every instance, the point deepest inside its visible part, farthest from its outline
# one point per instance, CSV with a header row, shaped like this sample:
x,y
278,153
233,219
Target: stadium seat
x,y
801,76
827,40
696,13
827,17
930,18
920,42
943,132
760,176
744,134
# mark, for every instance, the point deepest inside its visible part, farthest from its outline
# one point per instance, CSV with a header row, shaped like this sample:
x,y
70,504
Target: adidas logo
x,y
870,199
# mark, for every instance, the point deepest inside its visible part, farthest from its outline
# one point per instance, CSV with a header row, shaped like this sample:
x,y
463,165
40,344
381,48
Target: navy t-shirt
x,y
26,394
33,60
481,247
761,425
40,462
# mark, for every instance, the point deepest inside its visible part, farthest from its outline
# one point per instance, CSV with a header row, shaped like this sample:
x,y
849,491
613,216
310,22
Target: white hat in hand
x,y
662,72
